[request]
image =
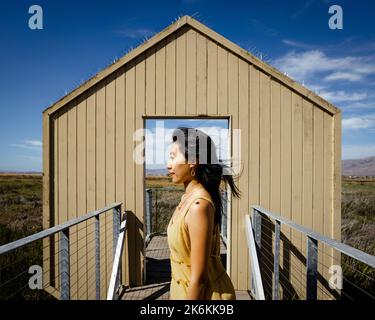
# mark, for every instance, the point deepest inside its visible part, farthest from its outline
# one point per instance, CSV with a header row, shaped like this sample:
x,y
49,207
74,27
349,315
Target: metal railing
x,y
63,230
311,263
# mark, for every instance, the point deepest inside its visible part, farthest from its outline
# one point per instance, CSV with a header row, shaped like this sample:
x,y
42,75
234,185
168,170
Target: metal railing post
x,y
116,232
311,269
97,258
256,225
276,261
65,264
148,211
156,212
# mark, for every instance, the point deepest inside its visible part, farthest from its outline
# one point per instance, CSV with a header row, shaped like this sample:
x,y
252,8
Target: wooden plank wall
x,y
288,152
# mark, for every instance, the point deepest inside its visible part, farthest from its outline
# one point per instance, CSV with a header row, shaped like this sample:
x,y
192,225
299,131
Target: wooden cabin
x,y
290,149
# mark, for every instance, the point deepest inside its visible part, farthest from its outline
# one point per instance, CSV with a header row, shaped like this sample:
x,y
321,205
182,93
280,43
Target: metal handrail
x,y
312,241
342,247
6,248
64,230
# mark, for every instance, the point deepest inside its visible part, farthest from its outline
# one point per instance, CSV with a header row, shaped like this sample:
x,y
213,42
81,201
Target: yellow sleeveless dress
x,y
219,285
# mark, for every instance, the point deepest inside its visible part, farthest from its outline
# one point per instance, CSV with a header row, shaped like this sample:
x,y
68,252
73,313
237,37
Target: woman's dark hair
x,y
199,148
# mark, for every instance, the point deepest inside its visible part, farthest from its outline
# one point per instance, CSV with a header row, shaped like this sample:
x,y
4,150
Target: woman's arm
x,y
200,226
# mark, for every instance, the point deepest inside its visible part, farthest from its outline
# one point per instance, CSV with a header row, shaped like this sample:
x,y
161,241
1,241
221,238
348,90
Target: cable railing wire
x,y
322,251
292,275
302,265
306,240
289,281
80,265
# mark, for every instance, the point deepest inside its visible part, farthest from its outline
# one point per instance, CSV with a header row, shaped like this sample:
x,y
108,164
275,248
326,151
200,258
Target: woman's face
x,y
178,169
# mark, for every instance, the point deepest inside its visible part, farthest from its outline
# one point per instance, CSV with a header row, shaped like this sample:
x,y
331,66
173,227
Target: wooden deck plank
x,y
158,275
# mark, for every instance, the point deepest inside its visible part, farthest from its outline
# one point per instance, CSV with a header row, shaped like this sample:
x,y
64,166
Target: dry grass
x,y
20,216
165,198
21,202
358,231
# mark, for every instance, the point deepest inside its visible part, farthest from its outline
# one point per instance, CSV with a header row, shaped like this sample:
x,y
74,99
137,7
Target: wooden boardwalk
x,y
158,273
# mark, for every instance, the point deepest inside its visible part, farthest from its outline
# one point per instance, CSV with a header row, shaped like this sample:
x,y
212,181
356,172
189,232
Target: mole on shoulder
x,y
197,202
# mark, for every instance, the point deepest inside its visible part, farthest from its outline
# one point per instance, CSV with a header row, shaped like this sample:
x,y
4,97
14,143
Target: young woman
x,y
194,229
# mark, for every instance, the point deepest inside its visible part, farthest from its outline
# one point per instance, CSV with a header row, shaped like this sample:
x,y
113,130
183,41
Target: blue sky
x,y
80,38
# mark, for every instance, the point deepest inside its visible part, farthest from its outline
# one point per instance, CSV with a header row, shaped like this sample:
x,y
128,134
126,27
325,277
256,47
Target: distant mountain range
x,y
359,167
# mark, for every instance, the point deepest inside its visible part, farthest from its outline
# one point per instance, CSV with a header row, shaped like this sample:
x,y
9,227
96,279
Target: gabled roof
x,y
209,33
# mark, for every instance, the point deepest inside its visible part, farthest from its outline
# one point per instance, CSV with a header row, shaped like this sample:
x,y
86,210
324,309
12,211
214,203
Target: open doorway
x,y
162,196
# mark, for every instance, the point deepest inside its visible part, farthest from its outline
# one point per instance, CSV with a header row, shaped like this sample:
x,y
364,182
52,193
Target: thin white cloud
x,y
359,122
342,96
351,99
29,144
344,76
306,65
35,143
298,44
348,44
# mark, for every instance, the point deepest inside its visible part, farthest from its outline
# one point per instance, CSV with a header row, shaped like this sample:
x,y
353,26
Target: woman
x,y
194,229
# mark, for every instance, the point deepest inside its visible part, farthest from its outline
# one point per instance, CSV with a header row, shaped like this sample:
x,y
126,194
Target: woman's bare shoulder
x,y
199,208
